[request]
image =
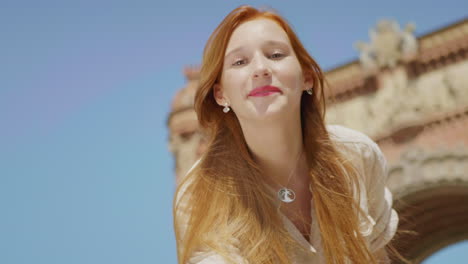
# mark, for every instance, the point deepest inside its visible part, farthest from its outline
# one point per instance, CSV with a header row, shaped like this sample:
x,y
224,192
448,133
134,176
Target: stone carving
x,y
430,192
401,101
409,101
185,139
418,169
388,45
184,147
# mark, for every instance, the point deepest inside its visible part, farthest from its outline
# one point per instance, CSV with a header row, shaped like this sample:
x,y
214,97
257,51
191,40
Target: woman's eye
x,y
276,55
238,62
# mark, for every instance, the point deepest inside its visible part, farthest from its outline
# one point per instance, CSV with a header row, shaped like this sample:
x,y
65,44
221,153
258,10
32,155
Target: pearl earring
x,y
226,108
310,91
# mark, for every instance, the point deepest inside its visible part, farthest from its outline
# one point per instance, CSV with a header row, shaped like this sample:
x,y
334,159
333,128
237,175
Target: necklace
x,y
285,194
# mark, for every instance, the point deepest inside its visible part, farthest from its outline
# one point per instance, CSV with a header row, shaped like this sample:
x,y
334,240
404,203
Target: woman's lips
x,y
264,91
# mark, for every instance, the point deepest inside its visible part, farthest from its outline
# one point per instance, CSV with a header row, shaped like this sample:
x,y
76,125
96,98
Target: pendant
x,y
286,195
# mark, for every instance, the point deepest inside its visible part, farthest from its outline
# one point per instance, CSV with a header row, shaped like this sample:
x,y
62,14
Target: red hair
x,y
225,197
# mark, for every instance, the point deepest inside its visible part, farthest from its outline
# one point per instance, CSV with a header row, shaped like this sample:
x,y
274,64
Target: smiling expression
x,y
259,55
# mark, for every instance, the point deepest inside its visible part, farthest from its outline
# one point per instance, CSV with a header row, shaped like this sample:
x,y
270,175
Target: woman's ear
x,y
218,93
308,82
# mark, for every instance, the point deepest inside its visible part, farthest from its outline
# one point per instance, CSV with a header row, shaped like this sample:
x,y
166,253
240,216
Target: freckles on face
x,y
259,48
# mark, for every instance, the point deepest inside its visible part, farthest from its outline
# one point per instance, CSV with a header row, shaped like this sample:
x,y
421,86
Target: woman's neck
x,y
276,147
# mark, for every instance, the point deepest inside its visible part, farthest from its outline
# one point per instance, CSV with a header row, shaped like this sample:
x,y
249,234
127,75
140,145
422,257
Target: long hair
x,y
226,204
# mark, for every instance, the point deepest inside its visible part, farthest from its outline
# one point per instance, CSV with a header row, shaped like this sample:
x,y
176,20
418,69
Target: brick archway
x,y
438,214
431,196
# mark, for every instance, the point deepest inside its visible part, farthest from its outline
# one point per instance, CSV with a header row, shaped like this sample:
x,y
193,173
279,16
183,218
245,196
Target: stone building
x,y
410,94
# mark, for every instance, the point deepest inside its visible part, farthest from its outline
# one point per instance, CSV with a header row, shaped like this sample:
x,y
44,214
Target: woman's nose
x,y
261,70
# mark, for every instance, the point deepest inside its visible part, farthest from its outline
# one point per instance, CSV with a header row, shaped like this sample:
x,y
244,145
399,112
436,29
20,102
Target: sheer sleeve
x,y
380,200
376,200
210,257
201,257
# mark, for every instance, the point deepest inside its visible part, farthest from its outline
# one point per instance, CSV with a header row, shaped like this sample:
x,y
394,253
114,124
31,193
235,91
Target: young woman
x,y
276,185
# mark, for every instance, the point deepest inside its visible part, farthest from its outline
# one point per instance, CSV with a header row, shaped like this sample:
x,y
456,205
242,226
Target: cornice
x,y
437,49
404,133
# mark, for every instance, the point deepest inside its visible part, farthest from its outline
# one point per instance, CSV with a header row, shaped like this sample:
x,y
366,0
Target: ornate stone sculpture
x,y
418,168
388,45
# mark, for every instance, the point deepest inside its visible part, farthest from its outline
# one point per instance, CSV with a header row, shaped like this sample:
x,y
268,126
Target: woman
x,y
275,184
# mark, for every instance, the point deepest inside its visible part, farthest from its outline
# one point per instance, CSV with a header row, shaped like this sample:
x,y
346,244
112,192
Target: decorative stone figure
x,y
388,45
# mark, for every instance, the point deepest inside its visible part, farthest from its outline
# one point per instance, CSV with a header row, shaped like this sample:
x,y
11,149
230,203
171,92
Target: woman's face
x,y
259,54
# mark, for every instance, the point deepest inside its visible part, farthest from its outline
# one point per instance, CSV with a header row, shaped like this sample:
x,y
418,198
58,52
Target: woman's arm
x,y
380,199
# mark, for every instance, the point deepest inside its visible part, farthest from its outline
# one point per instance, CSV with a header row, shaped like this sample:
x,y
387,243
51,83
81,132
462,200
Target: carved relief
x,y
185,138
418,168
388,45
184,147
430,193
401,101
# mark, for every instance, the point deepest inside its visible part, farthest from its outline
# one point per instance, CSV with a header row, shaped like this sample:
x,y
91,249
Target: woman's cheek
x,y
238,78
288,78
293,75
231,84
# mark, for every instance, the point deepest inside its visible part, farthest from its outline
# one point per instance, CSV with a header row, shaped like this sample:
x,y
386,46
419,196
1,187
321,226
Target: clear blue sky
x,y
85,89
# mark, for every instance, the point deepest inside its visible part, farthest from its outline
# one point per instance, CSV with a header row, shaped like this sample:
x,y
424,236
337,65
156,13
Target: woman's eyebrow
x,y
267,43
276,43
233,51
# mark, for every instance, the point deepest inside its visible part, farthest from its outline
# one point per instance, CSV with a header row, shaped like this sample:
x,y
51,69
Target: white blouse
x,y
381,222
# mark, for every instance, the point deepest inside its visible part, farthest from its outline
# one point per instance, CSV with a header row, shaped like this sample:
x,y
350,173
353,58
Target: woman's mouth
x,y
264,91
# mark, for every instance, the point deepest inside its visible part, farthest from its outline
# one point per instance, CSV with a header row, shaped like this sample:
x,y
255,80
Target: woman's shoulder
x,y
376,201
356,145
347,135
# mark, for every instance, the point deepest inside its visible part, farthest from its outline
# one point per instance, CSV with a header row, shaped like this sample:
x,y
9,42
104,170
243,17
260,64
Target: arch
x,y
431,196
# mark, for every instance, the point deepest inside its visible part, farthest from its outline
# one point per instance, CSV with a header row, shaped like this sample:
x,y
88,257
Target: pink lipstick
x,y
264,90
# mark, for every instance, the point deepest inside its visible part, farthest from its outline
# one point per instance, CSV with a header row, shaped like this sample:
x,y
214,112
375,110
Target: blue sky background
x,y
85,90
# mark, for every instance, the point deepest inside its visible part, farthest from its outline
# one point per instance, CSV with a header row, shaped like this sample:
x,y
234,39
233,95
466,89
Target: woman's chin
x,y
271,115
267,107
266,110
